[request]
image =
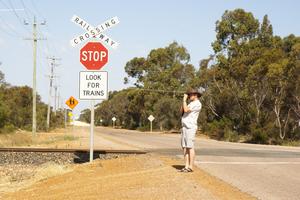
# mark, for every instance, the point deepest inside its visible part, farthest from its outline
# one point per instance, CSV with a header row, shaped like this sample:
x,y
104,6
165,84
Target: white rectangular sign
x,y
93,85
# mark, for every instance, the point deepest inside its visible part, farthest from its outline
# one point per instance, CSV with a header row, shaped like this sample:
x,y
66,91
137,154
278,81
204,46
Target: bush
x,y
218,128
231,136
144,128
259,136
8,128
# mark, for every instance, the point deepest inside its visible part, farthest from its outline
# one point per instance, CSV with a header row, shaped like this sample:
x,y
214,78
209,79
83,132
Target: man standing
x,y
189,119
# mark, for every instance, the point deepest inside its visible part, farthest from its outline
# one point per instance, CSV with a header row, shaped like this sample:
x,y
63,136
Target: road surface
x,y
266,172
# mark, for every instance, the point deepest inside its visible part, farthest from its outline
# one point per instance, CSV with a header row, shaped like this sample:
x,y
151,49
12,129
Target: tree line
x,y
252,84
16,109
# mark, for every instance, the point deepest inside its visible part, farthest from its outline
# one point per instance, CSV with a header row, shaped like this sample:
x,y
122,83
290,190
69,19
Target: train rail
x,y
52,150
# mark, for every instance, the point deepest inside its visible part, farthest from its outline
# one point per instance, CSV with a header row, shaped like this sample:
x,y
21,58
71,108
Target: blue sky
x,y
144,25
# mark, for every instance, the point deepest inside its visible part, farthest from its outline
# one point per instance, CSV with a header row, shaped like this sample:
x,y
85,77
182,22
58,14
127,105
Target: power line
x,y
11,7
160,91
9,10
16,14
13,33
37,10
25,9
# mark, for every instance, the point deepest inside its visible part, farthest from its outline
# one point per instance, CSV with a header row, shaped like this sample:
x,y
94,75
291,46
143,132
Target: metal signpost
x,y
114,120
151,118
93,85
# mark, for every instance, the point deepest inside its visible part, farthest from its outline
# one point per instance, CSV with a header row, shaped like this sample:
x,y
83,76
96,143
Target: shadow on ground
x,y
178,167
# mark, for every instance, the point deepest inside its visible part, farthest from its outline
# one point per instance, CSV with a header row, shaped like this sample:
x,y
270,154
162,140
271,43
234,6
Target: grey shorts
x,y
188,137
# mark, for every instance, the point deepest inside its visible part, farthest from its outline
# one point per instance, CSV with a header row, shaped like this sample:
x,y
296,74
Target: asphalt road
x,y
266,172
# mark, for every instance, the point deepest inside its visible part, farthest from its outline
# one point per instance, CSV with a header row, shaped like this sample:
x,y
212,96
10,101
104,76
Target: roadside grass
x,y
15,139
16,177
50,169
25,138
291,143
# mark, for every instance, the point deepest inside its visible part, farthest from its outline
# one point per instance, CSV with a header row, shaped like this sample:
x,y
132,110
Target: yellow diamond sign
x,y
72,102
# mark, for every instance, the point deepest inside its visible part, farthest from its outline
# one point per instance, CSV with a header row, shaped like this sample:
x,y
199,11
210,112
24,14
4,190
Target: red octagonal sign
x,y
93,55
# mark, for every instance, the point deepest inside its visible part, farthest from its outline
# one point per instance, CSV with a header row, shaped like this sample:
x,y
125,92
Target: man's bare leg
x,y
191,158
186,157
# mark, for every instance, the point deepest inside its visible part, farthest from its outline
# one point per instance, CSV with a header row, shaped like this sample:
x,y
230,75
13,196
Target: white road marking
x,y
247,163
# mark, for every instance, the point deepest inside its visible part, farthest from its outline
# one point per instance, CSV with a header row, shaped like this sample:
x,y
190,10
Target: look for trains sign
x,y
93,85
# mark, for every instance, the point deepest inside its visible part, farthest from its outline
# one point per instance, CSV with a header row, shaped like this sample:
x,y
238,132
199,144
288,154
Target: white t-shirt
x,y
189,119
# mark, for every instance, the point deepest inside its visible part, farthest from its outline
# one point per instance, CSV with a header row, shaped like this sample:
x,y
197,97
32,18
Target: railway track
x,y
51,150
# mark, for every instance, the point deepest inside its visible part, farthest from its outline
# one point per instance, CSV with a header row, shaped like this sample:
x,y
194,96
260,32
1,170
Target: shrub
x,y
259,136
8,128
231,136
217,128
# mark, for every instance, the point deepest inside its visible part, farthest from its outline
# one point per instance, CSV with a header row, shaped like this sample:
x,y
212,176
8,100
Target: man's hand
x,y
185,97
184,104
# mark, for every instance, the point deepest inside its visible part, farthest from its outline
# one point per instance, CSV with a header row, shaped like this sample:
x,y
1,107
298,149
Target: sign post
x,y
151,118
114,120
93,85
92,130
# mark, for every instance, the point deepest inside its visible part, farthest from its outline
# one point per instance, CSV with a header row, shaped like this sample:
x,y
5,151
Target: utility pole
x,y
51,78
58,100
34,39
55,99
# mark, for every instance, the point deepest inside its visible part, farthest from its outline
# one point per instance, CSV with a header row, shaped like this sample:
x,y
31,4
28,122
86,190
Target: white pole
x,y
65,118
151,126
34,79
92,131
50,94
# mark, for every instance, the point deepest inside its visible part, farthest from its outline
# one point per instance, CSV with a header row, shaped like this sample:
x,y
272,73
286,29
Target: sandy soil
x,y
133,177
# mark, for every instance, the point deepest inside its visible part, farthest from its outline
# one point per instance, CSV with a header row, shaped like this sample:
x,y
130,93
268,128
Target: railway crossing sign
x,y
72,102
94,32
93,55
93,85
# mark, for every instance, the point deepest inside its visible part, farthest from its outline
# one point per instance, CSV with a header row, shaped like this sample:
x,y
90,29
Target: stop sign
x,y
93,55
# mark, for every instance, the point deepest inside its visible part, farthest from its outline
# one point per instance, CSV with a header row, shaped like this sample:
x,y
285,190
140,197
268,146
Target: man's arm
x,y
185,108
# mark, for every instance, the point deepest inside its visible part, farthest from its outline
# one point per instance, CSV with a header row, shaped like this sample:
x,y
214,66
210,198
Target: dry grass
x,y
16,177
19,138
50,169
25,138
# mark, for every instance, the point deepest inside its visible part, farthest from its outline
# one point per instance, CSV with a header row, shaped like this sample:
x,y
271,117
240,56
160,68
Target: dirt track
x,y
134,177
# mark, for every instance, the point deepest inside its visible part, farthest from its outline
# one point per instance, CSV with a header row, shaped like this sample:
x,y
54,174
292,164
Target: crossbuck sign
x,y
95,32
93,84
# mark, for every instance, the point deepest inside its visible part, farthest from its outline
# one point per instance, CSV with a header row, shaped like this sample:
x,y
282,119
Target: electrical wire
x,y
25,9
12,32
37,10
11,7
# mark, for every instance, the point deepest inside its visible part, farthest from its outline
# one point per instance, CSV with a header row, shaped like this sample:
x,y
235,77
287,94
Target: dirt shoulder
x,y
132,177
